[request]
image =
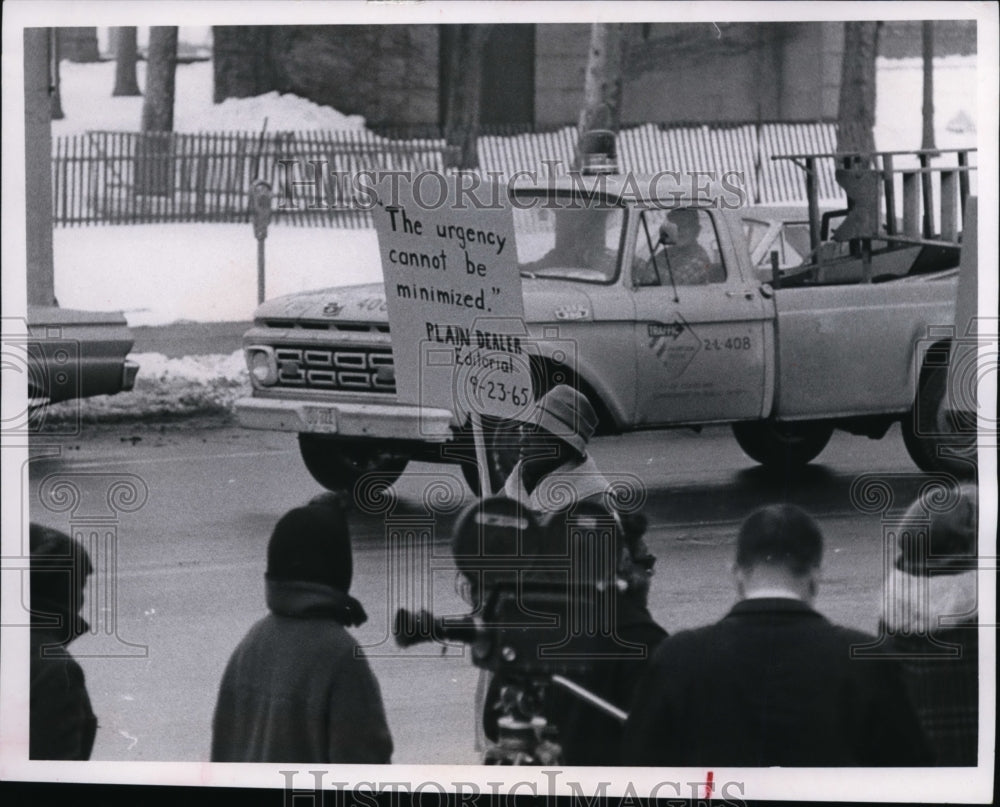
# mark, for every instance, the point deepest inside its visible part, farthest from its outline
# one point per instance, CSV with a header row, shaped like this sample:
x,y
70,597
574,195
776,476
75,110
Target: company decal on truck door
x,y
674,344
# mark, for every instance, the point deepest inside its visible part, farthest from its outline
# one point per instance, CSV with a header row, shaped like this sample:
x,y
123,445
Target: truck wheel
x,y
782,446
930,435
337,464
501,453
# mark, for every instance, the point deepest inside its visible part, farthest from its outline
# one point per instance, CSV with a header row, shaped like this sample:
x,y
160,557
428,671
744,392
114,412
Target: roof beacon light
x,y
598,152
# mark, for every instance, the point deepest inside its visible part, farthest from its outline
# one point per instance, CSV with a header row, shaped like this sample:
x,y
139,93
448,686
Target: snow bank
x,y
88,105
215,368
165,389
283,113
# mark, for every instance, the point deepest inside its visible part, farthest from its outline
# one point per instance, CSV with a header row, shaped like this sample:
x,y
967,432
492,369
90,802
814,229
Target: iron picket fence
x,y
105,177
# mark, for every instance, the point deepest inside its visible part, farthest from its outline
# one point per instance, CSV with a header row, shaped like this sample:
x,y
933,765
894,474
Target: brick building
x,y
533,74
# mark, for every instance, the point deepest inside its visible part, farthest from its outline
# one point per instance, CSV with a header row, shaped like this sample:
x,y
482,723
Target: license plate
x,y
320,419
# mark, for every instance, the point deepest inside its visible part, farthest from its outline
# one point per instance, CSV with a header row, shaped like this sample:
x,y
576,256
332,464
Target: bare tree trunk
x,y
158,105
54,81
126,56
464,56
856,109
154,168
927,31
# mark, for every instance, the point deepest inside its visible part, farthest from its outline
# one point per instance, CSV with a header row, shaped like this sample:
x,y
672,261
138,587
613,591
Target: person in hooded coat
x,y
930,619
62,724
297,688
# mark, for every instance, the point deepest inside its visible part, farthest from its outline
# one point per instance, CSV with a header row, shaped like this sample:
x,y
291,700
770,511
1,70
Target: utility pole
x,y
38,165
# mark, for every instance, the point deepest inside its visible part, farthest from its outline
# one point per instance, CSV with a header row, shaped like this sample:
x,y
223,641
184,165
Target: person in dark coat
x,y
773,683
930,617
62,724
297,688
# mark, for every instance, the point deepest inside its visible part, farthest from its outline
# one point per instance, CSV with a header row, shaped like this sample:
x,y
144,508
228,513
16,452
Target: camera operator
x,y
603,636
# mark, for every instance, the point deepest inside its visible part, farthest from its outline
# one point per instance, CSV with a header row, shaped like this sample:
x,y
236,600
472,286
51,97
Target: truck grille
x,y
358,370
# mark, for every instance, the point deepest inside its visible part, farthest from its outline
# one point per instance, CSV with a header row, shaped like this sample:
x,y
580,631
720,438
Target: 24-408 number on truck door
x,y
732,343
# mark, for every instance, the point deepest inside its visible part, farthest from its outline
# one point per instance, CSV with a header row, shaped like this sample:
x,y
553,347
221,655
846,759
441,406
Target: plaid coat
x,y
931,625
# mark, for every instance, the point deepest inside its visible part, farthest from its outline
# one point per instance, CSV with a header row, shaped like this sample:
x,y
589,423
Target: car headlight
x,y
262,365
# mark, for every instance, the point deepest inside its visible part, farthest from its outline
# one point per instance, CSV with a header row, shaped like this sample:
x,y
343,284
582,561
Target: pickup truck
x,y
668,307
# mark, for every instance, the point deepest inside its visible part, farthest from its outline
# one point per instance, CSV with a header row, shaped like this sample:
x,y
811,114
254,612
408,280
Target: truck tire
x,y
782,446
931,437
501,453
337,464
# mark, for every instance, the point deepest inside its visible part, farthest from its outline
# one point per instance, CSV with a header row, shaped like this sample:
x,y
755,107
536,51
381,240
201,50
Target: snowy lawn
x,y
162,273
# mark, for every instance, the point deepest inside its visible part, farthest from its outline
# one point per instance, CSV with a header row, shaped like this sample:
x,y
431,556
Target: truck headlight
x,y
262,365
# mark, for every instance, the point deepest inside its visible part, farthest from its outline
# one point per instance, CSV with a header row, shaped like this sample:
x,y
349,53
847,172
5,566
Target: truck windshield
x,y
568,237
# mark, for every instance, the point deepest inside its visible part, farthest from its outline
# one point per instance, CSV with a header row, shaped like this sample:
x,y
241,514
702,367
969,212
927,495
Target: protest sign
x,y
453,296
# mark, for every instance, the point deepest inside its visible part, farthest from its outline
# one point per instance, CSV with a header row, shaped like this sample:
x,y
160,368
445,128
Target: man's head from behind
x,y
778,551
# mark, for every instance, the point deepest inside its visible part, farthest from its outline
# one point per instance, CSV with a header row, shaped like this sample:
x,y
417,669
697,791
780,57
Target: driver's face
x,y
687,227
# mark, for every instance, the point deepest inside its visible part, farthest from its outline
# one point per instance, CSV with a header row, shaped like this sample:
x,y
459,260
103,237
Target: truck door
x,y
701,331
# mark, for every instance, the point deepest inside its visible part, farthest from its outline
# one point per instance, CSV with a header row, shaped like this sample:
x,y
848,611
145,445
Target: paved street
x,y
189,562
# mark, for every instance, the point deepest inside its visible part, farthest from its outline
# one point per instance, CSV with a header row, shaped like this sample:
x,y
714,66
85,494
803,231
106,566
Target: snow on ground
x,y
85,90
162,273
899,101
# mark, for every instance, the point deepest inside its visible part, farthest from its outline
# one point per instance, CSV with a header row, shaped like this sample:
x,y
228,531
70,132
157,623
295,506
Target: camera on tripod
x,y
545,594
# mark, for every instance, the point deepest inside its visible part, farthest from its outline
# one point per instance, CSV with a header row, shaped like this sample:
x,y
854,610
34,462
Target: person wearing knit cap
x,y
929,617
297,688
62,724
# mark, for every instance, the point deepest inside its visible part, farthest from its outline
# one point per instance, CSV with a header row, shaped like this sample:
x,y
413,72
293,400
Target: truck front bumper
x,y
376,421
